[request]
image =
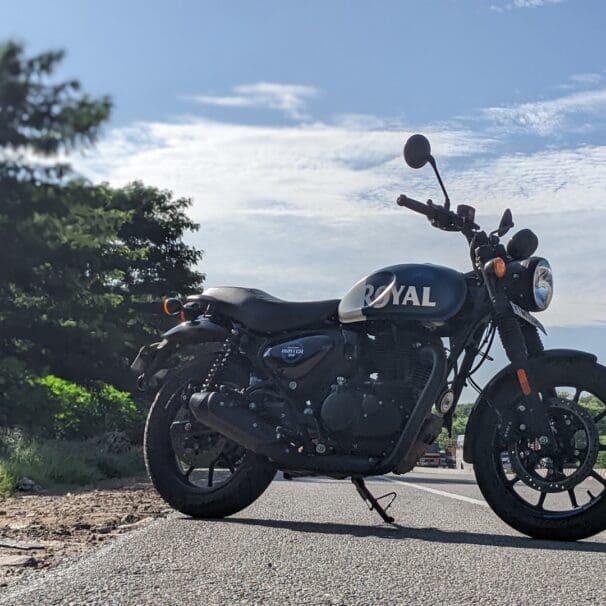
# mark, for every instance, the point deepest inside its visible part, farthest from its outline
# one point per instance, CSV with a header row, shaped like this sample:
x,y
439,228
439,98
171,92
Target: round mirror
x,y
417,151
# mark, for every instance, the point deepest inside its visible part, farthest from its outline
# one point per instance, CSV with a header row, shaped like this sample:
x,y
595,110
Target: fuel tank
x,y
420,292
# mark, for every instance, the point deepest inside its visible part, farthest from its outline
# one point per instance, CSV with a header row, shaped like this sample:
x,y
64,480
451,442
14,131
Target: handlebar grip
x,y
418,207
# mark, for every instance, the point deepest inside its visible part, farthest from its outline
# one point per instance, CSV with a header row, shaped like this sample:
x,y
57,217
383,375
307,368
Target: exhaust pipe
x,y
226,416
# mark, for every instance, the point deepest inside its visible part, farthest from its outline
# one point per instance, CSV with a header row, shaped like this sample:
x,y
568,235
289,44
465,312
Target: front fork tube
x,y
530,416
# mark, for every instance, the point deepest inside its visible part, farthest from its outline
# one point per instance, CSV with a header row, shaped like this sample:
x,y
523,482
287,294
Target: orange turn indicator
x,y
172,306
499,267
523,381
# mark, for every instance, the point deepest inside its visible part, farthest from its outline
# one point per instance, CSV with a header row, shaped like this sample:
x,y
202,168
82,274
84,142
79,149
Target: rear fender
x,y
498,382
152,359
200,330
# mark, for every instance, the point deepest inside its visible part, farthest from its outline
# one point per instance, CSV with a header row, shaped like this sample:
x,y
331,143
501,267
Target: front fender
x,y
500,379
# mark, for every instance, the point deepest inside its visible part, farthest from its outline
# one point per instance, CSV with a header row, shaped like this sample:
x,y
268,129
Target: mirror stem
x,y
432,161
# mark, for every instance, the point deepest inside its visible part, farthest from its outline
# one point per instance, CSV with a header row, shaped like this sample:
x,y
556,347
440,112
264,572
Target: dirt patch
x,y
41,530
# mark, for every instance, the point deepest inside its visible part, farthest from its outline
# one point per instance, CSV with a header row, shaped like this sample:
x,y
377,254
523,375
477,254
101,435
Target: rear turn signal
x,y
171,307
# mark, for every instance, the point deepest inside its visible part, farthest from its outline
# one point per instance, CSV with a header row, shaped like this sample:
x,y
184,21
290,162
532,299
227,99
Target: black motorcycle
x,y
362,386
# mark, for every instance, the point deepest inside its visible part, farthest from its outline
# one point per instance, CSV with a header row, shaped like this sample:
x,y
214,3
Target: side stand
x,y
373,502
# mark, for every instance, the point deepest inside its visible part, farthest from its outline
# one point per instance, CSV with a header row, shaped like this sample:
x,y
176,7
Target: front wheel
x,y
196,470
559,494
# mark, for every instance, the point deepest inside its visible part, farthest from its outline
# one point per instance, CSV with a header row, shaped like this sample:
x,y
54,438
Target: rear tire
x,y
577,523
249,481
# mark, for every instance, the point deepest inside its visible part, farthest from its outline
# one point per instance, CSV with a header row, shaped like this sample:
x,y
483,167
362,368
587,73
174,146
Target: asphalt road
x,y
314,542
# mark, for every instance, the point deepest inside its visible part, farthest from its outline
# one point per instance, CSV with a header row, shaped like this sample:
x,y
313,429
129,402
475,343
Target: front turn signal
x,y
497,266
500,268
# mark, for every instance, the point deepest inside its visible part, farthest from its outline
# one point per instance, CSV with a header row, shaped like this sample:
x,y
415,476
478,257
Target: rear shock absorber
x,y
220,362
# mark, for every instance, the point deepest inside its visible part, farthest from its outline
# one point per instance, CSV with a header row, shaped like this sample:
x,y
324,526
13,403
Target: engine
x,y
363,412
356,390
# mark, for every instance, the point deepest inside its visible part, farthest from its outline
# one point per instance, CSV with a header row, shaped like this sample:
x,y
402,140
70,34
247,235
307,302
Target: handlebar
x,y
418,207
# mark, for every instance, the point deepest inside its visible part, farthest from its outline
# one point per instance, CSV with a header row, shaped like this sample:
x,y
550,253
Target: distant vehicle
x,y
430,459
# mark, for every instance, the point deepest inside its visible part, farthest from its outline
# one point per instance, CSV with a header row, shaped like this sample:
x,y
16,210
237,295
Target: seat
x,y
261,312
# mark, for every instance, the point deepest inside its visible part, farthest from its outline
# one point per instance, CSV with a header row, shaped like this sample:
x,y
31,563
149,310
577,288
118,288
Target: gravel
x,y
57,528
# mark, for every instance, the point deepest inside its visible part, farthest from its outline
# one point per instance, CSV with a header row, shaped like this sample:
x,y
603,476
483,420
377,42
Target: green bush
x,y
81,413
50,406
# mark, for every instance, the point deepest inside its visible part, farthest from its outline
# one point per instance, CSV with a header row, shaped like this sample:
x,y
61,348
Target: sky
x,y
284,123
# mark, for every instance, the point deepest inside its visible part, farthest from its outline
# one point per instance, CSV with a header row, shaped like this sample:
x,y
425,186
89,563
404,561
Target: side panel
x,y
427,293
296,358
492,388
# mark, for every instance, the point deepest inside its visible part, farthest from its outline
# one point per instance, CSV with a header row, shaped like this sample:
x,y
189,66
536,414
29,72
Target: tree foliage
x,y
84,266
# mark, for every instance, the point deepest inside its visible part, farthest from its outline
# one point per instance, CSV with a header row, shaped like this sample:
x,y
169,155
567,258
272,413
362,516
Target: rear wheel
x,y
196,470
555,494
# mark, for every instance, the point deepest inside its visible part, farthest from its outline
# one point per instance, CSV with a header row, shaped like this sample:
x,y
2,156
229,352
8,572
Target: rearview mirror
x,y
505,224
417,151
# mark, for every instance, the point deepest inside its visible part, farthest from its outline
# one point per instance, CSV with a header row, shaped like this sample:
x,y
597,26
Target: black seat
x,y
261,312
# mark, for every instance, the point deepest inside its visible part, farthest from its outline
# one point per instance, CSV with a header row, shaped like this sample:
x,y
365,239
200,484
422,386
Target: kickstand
x,y
373,502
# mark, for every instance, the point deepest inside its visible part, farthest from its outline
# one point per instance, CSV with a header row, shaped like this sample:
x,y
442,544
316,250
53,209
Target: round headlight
x,y
542,284
529,283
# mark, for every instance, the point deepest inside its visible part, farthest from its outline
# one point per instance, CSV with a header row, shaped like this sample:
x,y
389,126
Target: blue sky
x,y
284,121
420,61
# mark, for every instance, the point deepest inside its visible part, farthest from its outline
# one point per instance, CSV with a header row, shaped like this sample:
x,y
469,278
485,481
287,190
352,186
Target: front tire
x,y
248,481
568,519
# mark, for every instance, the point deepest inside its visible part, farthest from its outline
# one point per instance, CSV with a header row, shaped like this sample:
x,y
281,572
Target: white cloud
x,y
587,78
312,169
304,211
582,81
546,117
514,4
291,99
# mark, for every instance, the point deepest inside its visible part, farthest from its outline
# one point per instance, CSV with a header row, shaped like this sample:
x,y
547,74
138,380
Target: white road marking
x,y
443,493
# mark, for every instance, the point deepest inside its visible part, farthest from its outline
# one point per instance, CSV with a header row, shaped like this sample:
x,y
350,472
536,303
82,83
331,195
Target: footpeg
x,y
373,502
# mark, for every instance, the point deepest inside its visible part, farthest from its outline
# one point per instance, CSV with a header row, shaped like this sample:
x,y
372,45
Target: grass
x,y
56,463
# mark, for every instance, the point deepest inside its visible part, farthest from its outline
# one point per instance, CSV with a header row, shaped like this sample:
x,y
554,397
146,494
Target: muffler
x,y
226,416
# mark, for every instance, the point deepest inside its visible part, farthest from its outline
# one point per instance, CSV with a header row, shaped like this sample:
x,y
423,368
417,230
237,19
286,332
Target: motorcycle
x,y
362,386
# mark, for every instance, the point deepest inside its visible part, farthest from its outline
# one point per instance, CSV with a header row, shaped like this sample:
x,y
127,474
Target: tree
x,y
84,266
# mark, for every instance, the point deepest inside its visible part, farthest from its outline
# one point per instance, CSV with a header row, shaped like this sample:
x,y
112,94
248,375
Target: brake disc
x,y
578,442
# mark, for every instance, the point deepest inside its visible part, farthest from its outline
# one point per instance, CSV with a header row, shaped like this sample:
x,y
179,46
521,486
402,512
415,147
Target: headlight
x,y
529,283
542,284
